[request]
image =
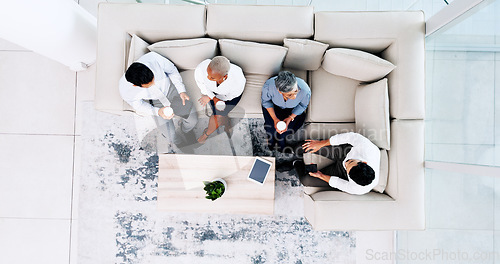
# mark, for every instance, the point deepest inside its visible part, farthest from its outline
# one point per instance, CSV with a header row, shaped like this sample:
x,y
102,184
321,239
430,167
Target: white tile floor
x,y
39,153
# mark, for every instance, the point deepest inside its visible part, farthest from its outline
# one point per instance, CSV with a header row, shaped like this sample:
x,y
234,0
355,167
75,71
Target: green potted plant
x,y
215,189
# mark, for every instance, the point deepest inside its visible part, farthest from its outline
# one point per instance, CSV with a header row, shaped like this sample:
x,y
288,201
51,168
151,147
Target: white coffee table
x,y
180,184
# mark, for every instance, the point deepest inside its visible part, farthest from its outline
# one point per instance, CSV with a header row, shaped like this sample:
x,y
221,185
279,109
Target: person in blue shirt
x,y
284,98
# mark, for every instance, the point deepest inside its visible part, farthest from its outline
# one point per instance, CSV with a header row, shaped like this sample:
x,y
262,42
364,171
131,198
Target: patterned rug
x,y
118,221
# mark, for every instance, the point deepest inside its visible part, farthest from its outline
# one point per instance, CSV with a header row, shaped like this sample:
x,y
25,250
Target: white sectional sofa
x,y
254,38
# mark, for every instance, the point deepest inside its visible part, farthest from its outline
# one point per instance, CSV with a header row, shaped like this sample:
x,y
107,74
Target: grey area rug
x,y
118,221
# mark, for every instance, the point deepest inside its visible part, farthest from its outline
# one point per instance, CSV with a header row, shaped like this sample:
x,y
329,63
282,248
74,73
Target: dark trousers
x,y
337,155
272,135
229,106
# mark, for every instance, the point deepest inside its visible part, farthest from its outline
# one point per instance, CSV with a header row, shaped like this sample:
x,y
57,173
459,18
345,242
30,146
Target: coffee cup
x,y
220,105
281,125
168,111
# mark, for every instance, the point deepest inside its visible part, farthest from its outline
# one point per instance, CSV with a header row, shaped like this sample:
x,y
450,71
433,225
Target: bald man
x,y
219,80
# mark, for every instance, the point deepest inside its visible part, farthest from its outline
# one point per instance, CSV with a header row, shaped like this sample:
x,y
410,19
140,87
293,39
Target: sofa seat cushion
x,y
253,57
304,54
186,54
250,105
332,97
269,24
372,113
356,64
192,90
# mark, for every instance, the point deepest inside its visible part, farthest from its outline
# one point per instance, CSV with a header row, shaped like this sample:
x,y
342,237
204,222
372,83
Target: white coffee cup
x,y
168,111
281,125
220,105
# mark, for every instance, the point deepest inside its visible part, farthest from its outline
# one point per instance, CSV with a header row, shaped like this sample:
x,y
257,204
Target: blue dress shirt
x,y
271,96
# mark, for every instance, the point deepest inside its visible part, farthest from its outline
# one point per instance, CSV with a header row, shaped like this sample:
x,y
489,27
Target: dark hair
x,y
139,74
362,174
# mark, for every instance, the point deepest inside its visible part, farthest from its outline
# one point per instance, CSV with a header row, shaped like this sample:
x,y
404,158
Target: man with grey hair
x,y
284,98
221,84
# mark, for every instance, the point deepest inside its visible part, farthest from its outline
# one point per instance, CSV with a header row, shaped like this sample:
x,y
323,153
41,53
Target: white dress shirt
x,y
362,149
231,88
165,73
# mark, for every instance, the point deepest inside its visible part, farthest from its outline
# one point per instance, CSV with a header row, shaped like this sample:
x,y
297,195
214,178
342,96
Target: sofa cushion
x,y
356,64
371,112
250,104
186,54
269,24
304,54
138,47
384,172
254,57
332,97
192,90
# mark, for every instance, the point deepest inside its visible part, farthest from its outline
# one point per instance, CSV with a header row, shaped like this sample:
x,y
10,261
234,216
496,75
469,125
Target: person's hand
x,y
312,145
287,122
160,113
204,100
276,126
216,100
320,175
184,97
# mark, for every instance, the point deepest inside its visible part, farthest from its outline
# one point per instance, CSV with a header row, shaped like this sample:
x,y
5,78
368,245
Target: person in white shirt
x,y
219,80
348,162
147,87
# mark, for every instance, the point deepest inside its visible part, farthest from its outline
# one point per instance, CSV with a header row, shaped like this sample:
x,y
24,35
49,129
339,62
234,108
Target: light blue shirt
x,y
271,96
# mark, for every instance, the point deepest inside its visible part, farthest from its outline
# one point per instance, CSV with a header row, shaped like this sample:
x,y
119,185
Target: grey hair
x,y
220,65
285,82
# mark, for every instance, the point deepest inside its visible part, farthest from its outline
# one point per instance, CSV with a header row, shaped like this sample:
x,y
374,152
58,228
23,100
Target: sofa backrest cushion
x,y
186,54
269,24
250,105
138,47
332,97
253,57
304,54
356,64
371,111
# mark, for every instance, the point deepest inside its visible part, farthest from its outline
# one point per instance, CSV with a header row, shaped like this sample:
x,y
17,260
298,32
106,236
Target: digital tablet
x,y
259,170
